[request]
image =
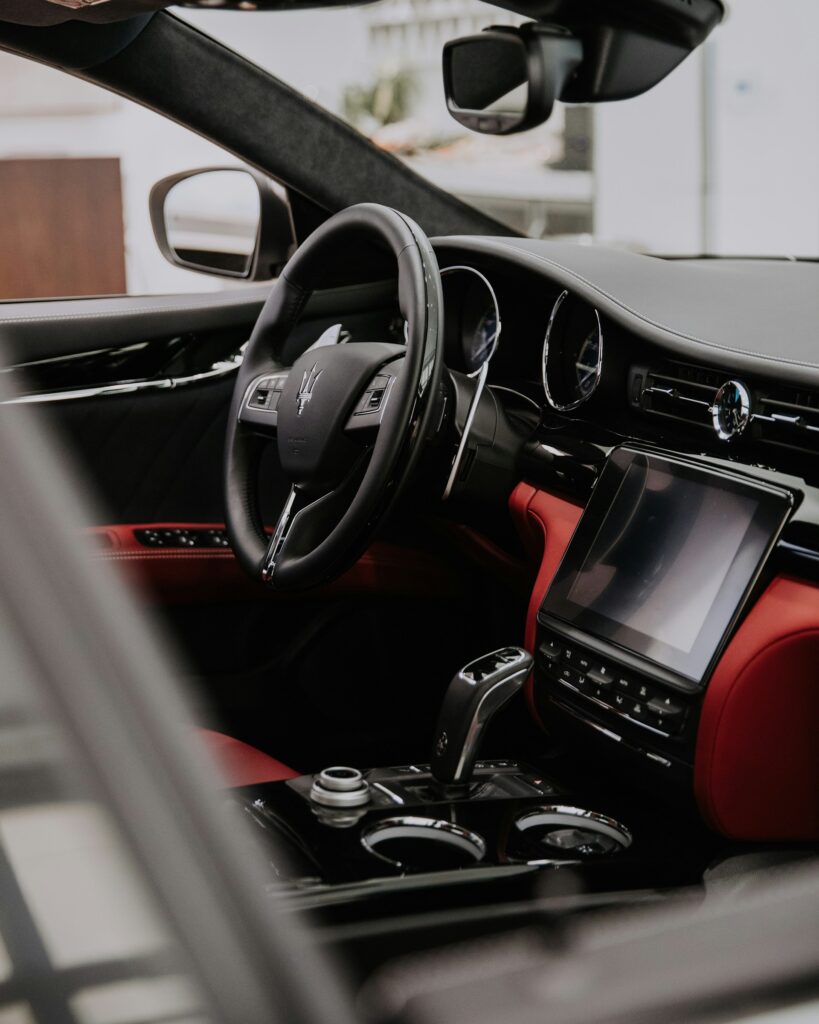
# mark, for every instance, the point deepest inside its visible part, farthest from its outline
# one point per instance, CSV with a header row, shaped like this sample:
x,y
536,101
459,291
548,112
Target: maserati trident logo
x,y
308,382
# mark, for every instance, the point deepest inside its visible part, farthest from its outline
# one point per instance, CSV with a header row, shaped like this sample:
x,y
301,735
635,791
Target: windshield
x,y
722,157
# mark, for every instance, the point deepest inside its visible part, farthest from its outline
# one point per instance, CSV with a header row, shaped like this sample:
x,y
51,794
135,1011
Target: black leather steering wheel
x,y
350,420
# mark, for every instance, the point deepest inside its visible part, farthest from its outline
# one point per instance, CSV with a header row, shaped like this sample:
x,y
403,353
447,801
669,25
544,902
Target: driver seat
x,y
243,765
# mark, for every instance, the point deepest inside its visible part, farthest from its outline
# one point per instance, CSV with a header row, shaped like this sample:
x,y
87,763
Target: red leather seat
x,y
241,764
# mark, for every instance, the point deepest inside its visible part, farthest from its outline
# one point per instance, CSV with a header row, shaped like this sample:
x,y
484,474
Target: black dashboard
x,y
709,356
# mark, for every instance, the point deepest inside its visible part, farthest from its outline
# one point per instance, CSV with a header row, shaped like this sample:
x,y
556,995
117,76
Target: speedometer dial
x,y
572,353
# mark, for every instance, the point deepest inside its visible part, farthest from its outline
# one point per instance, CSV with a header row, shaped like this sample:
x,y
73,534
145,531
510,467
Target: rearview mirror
x,y
225,221
506,80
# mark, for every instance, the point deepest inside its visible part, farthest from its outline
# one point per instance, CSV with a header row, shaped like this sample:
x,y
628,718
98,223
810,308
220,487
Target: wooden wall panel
x,y
61,231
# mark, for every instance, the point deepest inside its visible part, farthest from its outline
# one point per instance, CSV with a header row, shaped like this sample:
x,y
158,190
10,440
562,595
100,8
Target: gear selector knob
x,y
473,697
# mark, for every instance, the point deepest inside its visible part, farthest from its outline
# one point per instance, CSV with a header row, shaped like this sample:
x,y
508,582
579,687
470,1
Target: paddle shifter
x,y
479,690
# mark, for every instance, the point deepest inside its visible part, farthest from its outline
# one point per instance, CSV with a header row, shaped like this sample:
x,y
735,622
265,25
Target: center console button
x,y
571,677
600,676
667,713
567,655
550,651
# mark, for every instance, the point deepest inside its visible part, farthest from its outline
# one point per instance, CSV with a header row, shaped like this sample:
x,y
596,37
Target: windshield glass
x,y
722,157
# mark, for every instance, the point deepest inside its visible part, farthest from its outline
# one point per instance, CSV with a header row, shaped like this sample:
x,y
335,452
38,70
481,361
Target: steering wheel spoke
x,y
306,520
259,408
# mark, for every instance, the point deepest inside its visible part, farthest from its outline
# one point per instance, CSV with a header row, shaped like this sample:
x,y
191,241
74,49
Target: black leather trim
x,y
756,316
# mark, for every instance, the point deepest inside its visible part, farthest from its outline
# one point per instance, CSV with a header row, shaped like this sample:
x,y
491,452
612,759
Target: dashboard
x,y
671,478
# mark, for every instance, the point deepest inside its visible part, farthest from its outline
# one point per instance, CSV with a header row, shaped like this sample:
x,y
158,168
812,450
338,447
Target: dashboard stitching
x,y
655,323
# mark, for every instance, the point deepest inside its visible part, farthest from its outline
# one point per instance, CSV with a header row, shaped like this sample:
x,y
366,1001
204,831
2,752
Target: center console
x,y
660,569
631,630
346,831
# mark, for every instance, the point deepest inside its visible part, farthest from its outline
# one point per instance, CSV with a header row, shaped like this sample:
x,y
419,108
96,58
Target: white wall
x,y
765,131
742,180
647,160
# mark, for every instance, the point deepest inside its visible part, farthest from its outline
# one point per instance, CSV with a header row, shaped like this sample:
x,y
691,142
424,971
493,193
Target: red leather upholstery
x,y
545,524
757,762
756,768
241,764
207,574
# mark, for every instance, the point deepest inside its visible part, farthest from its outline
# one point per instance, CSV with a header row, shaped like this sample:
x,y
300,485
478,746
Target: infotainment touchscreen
x,y
664,557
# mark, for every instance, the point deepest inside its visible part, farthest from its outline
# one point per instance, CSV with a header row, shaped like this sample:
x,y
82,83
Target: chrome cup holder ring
x,y
414,843
563,831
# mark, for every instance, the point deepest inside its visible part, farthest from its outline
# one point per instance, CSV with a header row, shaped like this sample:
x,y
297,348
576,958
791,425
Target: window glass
x,y
76,167
722,157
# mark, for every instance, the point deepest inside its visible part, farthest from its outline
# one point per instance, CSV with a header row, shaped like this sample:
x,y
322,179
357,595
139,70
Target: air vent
x,y
788,417
677,391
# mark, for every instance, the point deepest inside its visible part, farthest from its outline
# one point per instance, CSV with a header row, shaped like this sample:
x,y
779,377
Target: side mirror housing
x,y
225,221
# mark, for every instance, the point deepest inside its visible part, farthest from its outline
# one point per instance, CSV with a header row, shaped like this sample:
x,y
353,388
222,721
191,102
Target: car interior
x,y
493,562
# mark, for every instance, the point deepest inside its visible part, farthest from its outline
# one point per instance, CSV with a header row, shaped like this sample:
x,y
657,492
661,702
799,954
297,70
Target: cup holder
x,y
423,844
572,832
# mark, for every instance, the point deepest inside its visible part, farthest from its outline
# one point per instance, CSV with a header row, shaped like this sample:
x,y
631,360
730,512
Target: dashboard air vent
x,y
676,391
788,417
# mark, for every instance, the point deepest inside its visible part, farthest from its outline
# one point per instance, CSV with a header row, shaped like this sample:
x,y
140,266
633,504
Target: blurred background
x,y
722,157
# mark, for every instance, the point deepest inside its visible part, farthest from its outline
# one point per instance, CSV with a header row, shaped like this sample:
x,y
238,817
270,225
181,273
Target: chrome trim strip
x,y
481,374
278,538
470,419
219,370
545,354
610,708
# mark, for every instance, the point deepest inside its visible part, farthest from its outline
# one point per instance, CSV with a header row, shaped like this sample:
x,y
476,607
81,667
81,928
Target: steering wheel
x,y
350,420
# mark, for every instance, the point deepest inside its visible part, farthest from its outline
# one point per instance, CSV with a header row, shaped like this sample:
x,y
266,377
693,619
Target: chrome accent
x,y
610,708
340,787
544,357
486,707
561,814
569,710
413,827
480,373
308,383
278,538
340,778
394,797
452,479
677,396
731,411
223,368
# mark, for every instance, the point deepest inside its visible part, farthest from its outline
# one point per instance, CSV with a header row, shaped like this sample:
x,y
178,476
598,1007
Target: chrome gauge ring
x,y
572,361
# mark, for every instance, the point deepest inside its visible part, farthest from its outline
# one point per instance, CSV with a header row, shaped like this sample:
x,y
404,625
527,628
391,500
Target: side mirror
x,y
506,80
225,221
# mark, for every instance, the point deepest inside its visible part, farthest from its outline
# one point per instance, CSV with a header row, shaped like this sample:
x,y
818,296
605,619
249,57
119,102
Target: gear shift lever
x,y
473,697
